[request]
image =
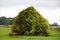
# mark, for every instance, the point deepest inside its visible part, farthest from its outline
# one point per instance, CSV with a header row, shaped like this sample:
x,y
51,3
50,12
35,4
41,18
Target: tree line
x,y
9,21
6,21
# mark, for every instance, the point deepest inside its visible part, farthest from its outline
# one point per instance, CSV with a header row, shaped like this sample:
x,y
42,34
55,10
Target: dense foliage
x,y
30,22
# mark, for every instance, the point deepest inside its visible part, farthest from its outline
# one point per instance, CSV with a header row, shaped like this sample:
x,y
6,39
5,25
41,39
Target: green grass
x,y
4,35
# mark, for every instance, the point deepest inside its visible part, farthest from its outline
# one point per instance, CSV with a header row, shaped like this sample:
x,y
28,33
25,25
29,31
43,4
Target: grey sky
x,y
39,3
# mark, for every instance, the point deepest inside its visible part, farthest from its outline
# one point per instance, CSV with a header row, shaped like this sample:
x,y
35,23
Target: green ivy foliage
x,y
30,22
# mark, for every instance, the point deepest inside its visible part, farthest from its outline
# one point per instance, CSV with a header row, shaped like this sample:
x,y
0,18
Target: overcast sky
x,y
50,9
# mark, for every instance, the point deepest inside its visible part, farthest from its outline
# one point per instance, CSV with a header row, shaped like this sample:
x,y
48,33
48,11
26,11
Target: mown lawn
x,y
4,35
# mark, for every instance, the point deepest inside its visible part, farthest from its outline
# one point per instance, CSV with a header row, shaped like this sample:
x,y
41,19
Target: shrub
x,y
30,22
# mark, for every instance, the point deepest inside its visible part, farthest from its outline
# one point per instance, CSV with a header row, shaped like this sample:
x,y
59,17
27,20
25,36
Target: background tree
x,y
55,24
9,21
2,20
6,21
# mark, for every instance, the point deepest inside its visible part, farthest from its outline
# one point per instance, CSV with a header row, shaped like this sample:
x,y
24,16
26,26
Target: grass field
x,y
4,35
